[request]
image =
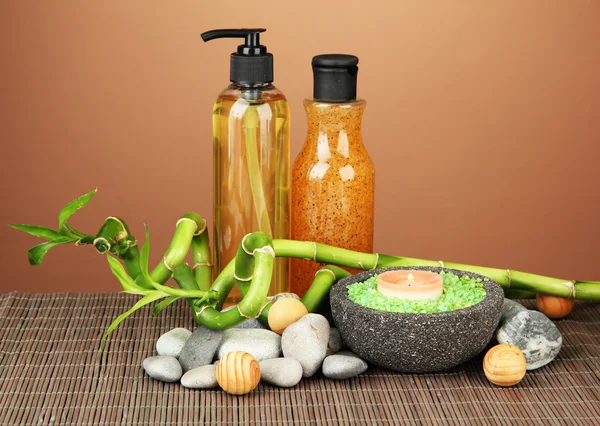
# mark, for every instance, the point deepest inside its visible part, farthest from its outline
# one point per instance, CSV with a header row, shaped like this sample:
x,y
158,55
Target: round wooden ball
x,y
504,365
554,307
238,373
285,312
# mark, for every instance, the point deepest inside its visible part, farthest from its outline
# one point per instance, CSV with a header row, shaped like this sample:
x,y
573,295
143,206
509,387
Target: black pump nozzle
x,y
252,64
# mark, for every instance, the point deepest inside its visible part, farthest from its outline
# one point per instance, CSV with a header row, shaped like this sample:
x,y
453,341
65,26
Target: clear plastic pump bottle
x,y
251,154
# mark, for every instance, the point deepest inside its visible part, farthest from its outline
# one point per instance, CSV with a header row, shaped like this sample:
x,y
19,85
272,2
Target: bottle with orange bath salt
x,y
333,177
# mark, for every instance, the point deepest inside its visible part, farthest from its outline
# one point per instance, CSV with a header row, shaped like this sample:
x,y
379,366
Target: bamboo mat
x,y
51,373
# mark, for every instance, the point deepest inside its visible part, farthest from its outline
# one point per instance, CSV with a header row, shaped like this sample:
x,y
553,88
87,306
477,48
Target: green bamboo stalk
x,y
186,227
326,254
256,297
255,249
244,259
324,279
508,279
201,255
209,315
131,258
114,236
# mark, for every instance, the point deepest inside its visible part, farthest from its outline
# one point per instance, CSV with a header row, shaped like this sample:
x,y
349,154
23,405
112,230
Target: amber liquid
x,y
251,141
333,186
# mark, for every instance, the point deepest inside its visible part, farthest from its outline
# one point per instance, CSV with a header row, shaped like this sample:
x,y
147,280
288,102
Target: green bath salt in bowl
x,y
459,291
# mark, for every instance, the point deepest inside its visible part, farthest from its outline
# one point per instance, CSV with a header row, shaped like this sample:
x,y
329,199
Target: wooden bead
x,y
504,365
238,373
554,307
285,312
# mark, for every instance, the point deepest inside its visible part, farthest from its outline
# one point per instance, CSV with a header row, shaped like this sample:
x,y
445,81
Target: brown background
x,y
483,121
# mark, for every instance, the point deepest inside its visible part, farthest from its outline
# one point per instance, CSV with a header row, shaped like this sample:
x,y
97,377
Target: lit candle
x,y
411,285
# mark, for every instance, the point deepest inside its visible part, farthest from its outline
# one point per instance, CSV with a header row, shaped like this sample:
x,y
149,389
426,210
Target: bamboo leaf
x,y
38,231
73,206
162,305
147,299
36,254
128,284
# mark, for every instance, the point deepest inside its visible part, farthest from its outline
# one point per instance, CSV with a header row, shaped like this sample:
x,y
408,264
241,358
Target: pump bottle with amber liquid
x,y
333,177
251,157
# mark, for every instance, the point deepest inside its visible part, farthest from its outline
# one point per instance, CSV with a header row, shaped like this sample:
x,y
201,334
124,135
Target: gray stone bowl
x,y
416,343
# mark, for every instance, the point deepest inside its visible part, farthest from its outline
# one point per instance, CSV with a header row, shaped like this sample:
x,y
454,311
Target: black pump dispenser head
x,y
335,77
251,64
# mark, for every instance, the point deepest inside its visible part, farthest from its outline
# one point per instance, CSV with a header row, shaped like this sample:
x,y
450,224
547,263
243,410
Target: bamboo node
x,y
266,250
509,278
188,219
200,231
243,314
102,239
441,262
202,310
376,262
244,247
167,265
243,279
262,309
201,264
134,244
571,286
326,270
314,251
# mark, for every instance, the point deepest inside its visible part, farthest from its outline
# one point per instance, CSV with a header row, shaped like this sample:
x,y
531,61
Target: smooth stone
x,y
306,341
203,377
535,334
282,372
335,343
249,323
200,348
278,296
343,365
510,308
163,368
261,344
172,342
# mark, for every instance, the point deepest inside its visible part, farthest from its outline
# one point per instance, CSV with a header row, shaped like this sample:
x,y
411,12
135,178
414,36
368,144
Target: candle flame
x,y
410,277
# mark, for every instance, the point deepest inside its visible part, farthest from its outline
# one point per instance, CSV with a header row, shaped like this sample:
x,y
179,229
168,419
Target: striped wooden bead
x,y
238,373
504,365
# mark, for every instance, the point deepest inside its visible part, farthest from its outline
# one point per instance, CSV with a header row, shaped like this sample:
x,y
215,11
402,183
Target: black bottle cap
x,y
335,77
251,64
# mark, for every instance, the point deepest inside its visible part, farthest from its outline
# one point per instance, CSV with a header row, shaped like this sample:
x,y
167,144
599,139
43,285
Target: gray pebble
x,y
510,308
200,348
171,343
335,343
535,334
306,341
203,377
343,365
261,344
163,368
282,372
